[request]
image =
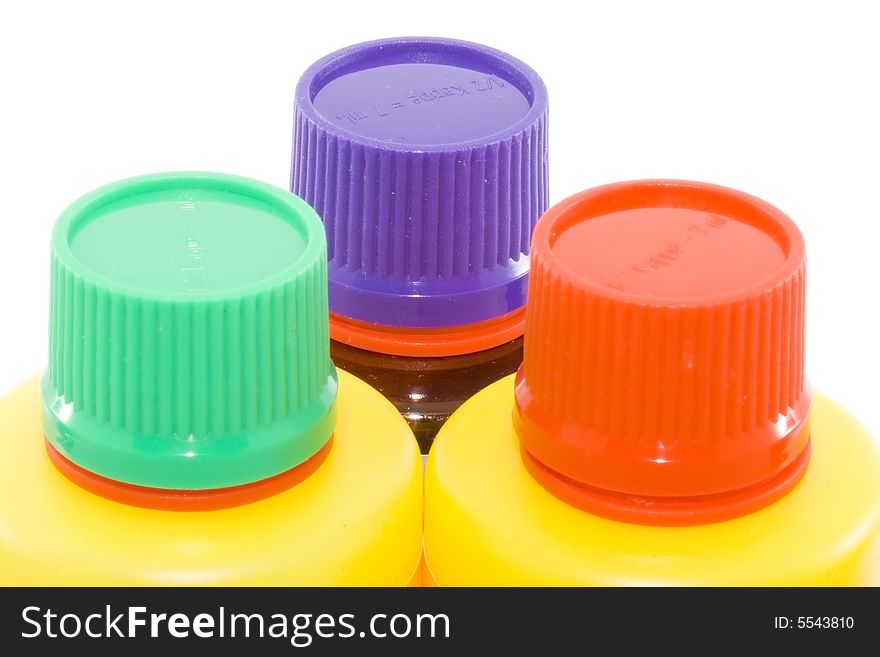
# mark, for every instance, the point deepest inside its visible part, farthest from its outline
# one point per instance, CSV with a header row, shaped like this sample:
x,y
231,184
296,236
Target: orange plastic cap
x,y
663,377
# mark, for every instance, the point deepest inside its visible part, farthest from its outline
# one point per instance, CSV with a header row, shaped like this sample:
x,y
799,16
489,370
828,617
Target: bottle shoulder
x,y
487,521
319,532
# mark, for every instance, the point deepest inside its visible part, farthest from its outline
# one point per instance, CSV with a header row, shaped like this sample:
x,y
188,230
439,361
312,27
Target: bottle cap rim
x,y
469,58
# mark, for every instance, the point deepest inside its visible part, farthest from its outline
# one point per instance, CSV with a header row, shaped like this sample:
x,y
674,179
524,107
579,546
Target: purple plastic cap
x,y
427,160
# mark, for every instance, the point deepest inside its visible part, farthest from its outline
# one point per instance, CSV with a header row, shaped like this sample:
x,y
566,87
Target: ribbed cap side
x,y
420,215
178,368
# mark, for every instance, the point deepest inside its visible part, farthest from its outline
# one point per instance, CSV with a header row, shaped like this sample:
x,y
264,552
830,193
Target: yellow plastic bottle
x,y
660,430
190,428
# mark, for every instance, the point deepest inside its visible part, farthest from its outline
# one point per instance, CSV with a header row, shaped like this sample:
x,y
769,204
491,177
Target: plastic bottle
x,y
427,160
661,430
194,430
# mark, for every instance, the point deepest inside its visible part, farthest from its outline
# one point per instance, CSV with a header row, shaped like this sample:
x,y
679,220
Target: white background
x,y
780,99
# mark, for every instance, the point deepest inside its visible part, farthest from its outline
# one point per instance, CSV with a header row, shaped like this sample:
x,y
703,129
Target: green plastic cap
x,y
189,344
